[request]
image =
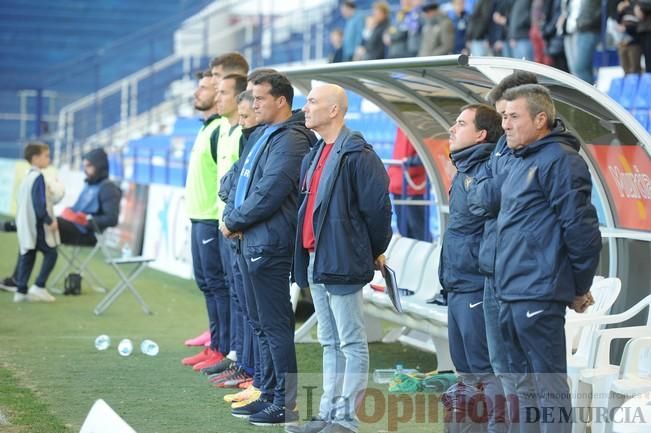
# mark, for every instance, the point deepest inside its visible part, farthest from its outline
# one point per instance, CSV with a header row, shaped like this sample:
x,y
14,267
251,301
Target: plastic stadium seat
x,y
643,92
642,116
629,88
615,90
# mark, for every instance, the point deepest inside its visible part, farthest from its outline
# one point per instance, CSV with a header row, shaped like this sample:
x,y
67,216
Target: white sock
x,y
232,355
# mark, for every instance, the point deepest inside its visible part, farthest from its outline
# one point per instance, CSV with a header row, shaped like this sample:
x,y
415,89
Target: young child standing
x,y
37,228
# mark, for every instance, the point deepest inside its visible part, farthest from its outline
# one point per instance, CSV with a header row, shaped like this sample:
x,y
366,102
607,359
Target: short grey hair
x,y
538,98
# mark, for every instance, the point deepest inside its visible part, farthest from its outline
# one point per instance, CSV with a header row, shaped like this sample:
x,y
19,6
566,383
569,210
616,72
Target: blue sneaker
x,y
274,415
252,408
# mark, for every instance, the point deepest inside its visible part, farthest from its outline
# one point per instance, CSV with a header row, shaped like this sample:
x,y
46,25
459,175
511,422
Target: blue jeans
x,y
579,50
342,334
523,49
497,352
26,262
209,275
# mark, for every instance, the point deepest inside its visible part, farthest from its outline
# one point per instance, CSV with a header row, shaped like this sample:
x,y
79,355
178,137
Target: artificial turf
x,y
51,373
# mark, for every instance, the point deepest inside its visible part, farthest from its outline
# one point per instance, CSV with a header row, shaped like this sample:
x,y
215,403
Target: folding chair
x,y
74,262
126,282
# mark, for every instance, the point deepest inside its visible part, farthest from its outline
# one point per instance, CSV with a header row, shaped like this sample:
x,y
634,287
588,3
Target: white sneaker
x,y
37,294
20,297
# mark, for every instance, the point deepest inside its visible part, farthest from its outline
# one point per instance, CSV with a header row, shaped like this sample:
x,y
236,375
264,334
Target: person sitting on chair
x,y
98,202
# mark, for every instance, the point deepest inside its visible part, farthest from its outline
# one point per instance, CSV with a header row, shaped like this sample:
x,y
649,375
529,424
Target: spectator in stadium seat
x,y
373,47
203,207
627,39
553,35
582,23
484,199
548,250
518,28
643,12
472,139
264,213
352,36
459,18
479,24
437,33
336,41
412,219
344,227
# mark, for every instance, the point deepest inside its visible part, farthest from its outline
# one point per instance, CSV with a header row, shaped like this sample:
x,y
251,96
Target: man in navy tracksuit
x,y
548,245
264,213
472,139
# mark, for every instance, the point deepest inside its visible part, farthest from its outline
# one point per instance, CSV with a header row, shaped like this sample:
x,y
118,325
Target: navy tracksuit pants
x,y
210,277
534,339
266,286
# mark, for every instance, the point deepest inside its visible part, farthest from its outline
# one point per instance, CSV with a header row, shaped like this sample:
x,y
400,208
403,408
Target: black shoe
x,y
439,299
220,367
274,415
314,425
251,409
8,284
8,226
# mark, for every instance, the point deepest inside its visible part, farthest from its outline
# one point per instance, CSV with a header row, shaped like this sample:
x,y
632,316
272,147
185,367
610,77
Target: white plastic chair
x,y
596,380
605,292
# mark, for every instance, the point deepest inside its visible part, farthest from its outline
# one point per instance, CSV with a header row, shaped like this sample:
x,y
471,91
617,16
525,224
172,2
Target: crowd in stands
x,y
561,33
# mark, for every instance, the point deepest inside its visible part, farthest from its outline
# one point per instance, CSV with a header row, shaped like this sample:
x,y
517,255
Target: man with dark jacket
x,y
99,201
263,213
548,245
344,227
472,139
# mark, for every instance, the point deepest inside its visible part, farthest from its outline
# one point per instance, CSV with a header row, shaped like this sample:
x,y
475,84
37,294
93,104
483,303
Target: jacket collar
x,y
467,158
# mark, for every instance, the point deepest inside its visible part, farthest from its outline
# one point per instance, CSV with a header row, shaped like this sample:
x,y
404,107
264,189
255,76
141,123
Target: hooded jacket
x,y
459,267
548,239
352,215
267,217
100,197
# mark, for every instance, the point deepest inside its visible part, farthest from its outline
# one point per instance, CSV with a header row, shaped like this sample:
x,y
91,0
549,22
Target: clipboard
x,y
392,287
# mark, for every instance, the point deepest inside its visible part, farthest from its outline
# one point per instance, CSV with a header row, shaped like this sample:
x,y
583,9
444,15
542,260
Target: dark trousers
x,y
534,339
266,283
26,262
71,235
412,220
209,275
240,318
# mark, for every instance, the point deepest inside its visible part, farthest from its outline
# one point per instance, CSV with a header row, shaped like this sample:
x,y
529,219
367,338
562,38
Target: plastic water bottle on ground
x,y
125,348
149,347
384,375
102,342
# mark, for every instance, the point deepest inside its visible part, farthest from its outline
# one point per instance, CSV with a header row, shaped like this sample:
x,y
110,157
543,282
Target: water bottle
x,y
125,348
384,375
102,342
149,347
126,251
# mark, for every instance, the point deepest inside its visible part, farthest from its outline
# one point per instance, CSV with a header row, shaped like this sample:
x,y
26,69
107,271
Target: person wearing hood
x,y
472,139
344,227
99,202
263,213
548,245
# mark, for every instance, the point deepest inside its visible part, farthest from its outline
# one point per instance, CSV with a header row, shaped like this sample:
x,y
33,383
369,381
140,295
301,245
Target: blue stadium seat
x,y
642,116
629,88
643,92
615,89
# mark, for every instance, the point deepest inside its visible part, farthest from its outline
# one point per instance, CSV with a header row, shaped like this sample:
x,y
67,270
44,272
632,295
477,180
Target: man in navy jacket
x,y
344,227
548,246
264,212
472,139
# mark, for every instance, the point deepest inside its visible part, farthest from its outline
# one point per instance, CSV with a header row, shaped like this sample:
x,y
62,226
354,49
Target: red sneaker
x,y
199,357
200,340
213,359
246,384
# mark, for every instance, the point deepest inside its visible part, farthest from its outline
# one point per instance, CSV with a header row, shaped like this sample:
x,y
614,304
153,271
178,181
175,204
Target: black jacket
x,y
352,214
267,217
109,193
